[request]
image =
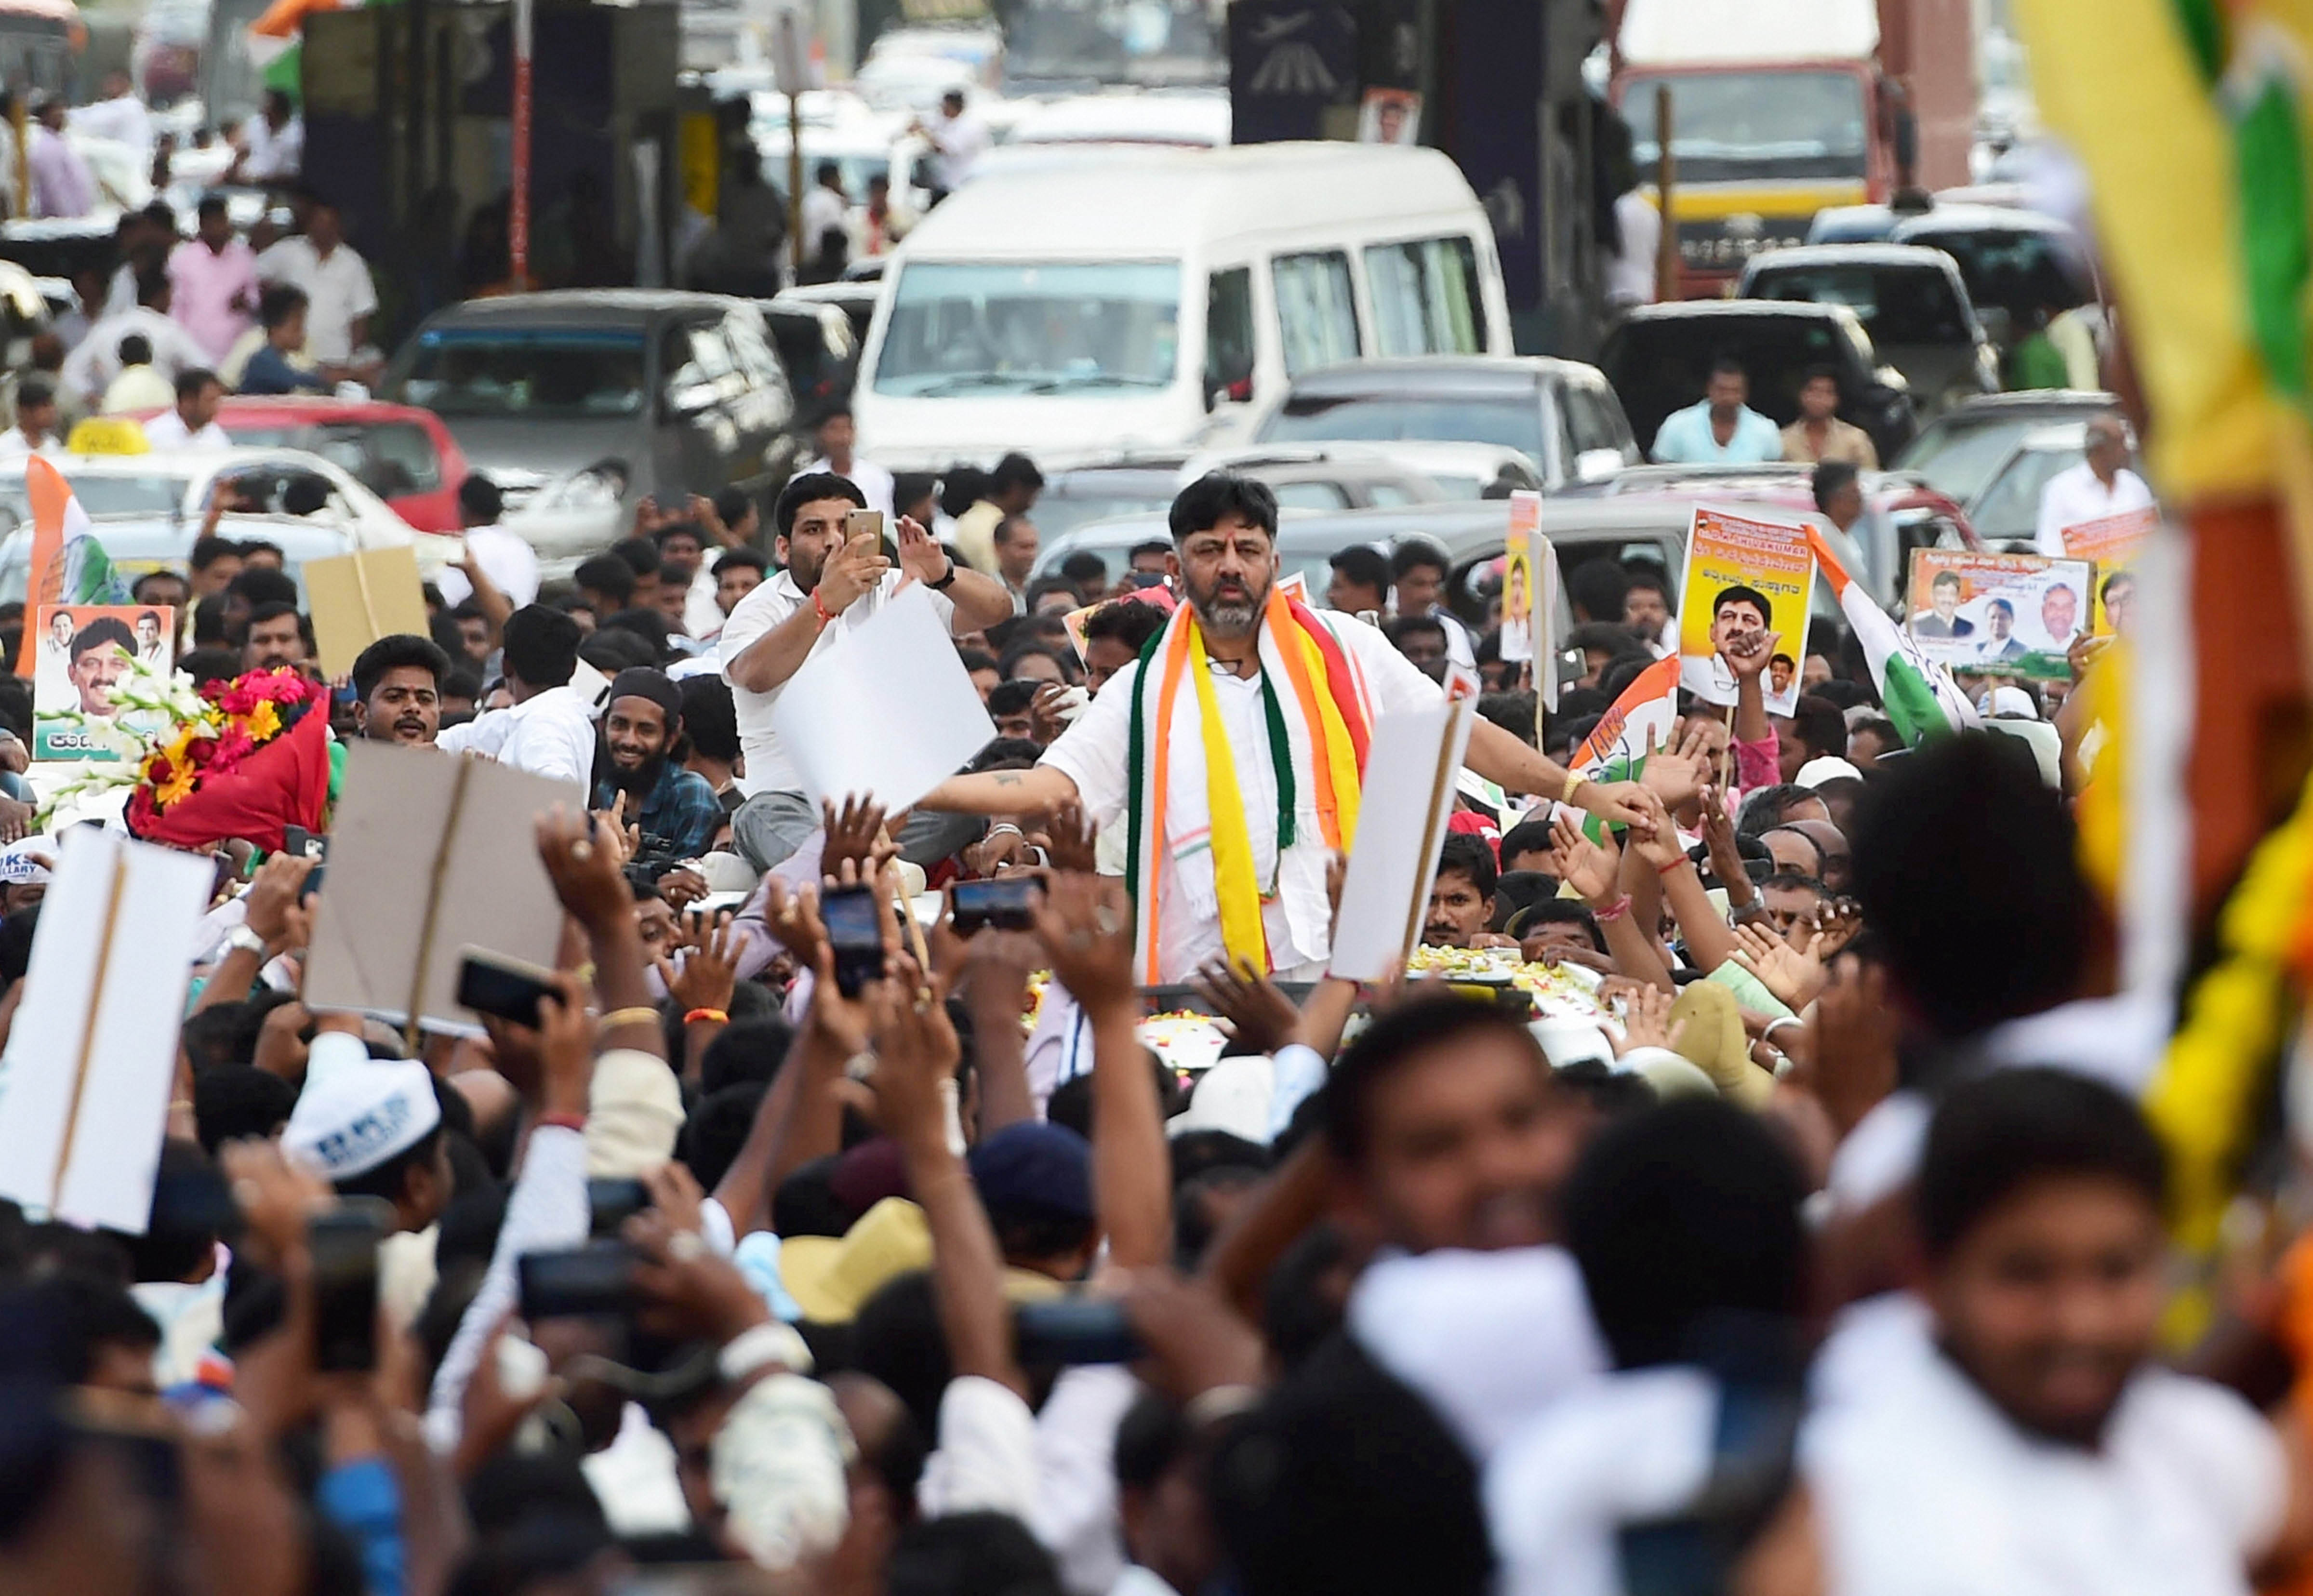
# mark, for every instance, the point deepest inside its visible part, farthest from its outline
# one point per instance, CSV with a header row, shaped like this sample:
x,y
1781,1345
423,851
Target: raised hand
x,y
920,555
1588,867
1646,1020
1260,1017
1676,776
1086,925
849,572
852,832
710,972
1794,976
1073,841
586,869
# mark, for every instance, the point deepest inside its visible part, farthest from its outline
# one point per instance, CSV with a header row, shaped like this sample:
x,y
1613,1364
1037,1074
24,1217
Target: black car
x,y
682,391
1659,360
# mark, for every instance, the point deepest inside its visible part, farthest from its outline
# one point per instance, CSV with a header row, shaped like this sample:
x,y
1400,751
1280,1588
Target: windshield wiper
x,y
1096,379
971,379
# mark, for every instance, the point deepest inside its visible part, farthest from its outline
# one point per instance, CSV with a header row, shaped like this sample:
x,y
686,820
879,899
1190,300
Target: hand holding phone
x,y
855,934
343,1244
506,988
1006,902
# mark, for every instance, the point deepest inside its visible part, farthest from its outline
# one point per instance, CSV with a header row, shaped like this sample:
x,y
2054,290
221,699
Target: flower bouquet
x,y
252,758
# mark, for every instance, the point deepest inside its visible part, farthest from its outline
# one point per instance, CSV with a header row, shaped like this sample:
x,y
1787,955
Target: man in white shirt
x,y
90,368
119,115
35,432
825,208
1631,278
506,557
831,584
2100,485
837,436
339,297
549,731
958,140
275,149
2012,1428
193,423
1225,539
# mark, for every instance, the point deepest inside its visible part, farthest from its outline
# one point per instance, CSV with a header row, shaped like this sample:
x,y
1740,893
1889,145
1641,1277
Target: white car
x,y
178,482
1456,471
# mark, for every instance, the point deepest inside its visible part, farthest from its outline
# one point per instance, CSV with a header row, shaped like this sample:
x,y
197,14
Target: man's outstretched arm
x,y
1034,791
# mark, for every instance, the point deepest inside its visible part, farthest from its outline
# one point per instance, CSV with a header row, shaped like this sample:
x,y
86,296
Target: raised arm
x,y
770,659
980,600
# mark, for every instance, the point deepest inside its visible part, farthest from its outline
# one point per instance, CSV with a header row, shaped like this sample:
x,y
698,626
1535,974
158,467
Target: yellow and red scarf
x,y
1320,750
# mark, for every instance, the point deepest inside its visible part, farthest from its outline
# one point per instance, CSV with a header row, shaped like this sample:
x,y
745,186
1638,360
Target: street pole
x,y
518,211
1665,180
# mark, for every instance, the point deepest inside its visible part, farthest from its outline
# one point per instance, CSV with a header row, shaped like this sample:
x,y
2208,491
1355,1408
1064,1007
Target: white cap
x,y
1829,768
2009,701
34,858
1233,1095
356,1113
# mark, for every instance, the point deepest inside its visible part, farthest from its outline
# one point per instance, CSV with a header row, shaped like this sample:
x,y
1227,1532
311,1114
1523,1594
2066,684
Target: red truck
x,y
1780,107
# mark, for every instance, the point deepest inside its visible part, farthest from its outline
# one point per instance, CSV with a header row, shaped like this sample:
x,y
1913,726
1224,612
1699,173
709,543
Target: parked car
x,y
1320,476
1562,415
139,544
854,297
1659,358
2020,261
820,347
682,391
1137,485
1902,511
1912,302
1962,450
403,455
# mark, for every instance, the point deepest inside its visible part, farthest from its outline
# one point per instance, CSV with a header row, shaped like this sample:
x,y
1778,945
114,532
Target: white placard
x,y
1410,772
92,1056
887,710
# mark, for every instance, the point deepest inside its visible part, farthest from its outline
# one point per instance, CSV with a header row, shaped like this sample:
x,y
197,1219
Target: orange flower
x,y
264,722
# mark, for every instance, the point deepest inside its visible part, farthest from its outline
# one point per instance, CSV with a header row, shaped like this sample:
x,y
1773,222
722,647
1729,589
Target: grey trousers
x,y
770,826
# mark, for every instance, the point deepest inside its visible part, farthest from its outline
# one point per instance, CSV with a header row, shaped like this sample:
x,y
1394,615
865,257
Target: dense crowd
x,y
898,1254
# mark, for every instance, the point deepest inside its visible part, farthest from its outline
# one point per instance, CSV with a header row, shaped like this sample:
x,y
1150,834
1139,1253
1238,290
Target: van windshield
x,y
1104,327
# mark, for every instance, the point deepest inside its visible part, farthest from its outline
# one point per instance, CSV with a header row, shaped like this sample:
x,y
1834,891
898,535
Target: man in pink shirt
x,y
213,282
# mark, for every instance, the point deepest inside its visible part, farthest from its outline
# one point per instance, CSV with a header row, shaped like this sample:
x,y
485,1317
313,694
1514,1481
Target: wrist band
x,y
759,1347
820,609
714,1015
568,1122
639,1014
1614,910
1574,779
1768,1034
1675,864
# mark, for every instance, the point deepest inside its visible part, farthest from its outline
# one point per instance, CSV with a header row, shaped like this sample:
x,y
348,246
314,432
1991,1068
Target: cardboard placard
x,y
1775,562
428,855
1997,614
1411,777
2112,543
81,651
92,1053
355,599
886,709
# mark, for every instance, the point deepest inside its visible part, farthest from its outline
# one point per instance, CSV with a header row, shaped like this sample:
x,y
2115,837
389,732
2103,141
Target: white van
x,y
1084,312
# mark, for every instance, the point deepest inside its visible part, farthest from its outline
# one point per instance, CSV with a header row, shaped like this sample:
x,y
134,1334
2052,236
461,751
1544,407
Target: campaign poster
x,y
1519,583
2112,543
82,651
1998,614
1744,574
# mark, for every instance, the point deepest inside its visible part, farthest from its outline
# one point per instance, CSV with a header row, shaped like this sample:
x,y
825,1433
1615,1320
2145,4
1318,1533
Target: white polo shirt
x,y
768,768
338,288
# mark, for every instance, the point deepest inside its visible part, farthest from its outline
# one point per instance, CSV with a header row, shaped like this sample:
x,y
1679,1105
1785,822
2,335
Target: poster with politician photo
x,y
1998,614
83,650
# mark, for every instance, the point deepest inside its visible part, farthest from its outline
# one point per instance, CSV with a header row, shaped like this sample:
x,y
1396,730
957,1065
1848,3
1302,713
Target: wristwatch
x,y
241,939
947,578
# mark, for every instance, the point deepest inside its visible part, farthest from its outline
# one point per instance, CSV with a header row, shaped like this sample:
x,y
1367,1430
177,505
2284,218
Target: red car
x,y
402,453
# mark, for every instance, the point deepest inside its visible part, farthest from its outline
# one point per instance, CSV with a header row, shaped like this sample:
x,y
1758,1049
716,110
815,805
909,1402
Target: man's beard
x,y
634,784
804,571
1231,618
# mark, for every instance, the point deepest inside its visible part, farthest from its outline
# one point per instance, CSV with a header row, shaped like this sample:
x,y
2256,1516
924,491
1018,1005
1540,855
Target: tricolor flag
x,y
68,564
1920,699
1633,727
